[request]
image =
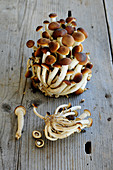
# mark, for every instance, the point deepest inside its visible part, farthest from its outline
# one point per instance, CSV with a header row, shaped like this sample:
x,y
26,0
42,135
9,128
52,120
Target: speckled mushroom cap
x,y
58,66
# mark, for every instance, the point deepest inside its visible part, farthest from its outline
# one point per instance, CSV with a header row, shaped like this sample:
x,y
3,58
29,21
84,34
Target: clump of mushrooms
x,y
58,65
64,121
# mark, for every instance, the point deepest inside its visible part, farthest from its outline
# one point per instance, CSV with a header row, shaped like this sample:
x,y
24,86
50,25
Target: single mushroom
x,y
58,34
36,134
39,143
77,48
50,59
38,52
78,77
44,56
69,20
53,26
64,62
76,70
28,74
46,23
82,31
45,34
68,40
53,46
39,28
69,29
53,17
43,42
20,111
79,37
63,51
30,44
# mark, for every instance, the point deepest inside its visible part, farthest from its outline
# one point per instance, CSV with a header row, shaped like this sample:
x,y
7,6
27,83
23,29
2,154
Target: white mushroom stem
x,y
53,19
76,70
44,56
73,63
68,88
43,76
57,90
76,43
59,40
46,27
52,74
85,114
39,72
77,86
62,56
61,76
61,106
36,113
70,109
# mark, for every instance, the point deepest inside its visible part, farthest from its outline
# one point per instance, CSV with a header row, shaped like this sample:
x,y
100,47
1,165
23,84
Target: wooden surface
x,y
18,20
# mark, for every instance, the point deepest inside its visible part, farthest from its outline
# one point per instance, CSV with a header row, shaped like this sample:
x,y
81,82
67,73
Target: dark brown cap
x,y
79,91
83,31
50,59
38,52
54,25
70,19
69,29
62,21
65,61
46,22
43,41
89,65
59,33
63,50
45,49
53,15
86,70
45,34
74,23
53,46
81,57
77,48
78,36
57,65
30,43
28,74
67,40
78,77
39,28
69,72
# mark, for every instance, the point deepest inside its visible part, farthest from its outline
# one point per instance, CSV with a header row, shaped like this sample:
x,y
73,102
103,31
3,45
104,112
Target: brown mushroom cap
x,y
45,34
59,33
39,28
77,48
45,49
54,25
28,74
69,72
63,50
69,29
46,66
78,36
46,22
78,77
89,65
67,40
38,52
30,43
74,23
86,70
50,59
53,46
83,31
62,21
43,41
57,65
79,91
53,15
81,57
67,82
70,19
65,61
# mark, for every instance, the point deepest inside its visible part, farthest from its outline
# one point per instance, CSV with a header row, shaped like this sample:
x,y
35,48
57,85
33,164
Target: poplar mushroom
x,y
20,111
39,143
30,44
39,29
36,134
59,126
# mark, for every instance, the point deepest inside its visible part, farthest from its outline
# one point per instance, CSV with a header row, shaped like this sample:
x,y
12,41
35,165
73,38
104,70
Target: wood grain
x,y
18,22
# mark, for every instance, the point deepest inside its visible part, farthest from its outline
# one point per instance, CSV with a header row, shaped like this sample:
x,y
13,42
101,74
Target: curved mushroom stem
x,y
20,124
36,113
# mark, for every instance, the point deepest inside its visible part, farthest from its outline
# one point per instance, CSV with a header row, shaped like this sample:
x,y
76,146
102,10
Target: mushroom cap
x,y
81,57
79,91
39,28
67,40
30,43
70,19
53,46
62,21
83,31
46,22
90,122
89,65
53,15
45,34
20,108
45,49
36,134
38,52
39,143
69,72
43,41
28,74
67,82
78,77
50,59
45,65
77,48
87,112
59,33
69,29
78,36
57,65
63,50
65,61
86,70
54,25
74,23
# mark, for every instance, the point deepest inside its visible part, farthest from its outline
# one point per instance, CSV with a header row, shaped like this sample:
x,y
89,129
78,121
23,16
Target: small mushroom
x,y
53,17
53,46
44,56
69,20
36,134
53,26
63,51
30,44
81,57
43,42
38,52
78,37
77,48
50,59
45,34
58,34
78,77
46,23
69,29
67,40
39,28
28,74
68,74
20,111
76,70
39,143
82,31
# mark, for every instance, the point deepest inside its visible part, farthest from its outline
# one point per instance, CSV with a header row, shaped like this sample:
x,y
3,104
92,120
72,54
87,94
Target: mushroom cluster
x,y
58,66
64,121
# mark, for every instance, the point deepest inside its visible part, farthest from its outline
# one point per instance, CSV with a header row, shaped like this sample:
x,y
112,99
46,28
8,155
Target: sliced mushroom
x,y
39,143
36,134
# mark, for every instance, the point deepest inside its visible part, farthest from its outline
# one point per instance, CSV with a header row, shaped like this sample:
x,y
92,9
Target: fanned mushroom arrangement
x,y
63,123
58,66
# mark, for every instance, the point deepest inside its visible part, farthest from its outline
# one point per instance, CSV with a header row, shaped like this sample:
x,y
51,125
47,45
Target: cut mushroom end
x,y
36,134
39,143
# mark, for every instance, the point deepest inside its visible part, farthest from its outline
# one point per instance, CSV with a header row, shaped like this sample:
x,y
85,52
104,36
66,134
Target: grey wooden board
x,y
18,20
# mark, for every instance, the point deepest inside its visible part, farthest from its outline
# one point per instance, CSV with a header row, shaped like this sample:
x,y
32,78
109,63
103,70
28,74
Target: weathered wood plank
x,y
18,22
